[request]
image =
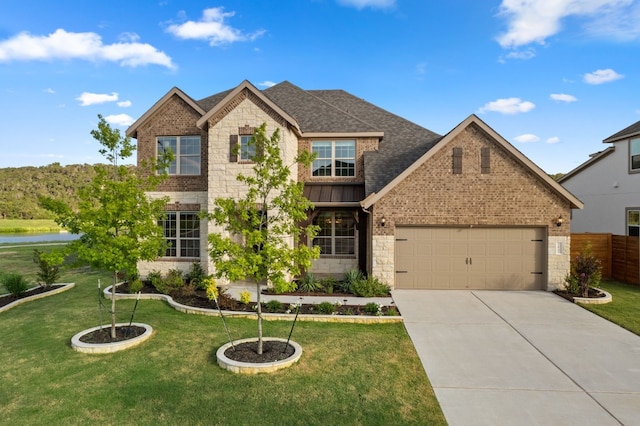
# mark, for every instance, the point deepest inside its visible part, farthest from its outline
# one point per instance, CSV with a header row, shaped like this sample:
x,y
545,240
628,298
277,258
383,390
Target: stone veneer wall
x,y
510,195
559,261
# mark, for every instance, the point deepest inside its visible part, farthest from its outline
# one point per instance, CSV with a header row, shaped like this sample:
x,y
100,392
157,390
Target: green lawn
x,y
624,309
8,226
349,374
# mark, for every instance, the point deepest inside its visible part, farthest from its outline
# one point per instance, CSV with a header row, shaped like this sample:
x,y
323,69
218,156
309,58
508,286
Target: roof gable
x,y
594,158
132,131
230,95
473,119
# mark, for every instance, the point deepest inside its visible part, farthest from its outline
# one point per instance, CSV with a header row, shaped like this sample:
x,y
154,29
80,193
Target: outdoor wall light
x,y
383,221
559,221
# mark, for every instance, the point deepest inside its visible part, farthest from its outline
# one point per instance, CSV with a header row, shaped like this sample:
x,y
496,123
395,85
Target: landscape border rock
x,y
256,368
62,287
359,319
606,298
103,348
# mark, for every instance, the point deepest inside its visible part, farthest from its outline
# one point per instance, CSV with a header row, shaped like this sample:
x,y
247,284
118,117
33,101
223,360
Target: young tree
x,y
117,222
260,227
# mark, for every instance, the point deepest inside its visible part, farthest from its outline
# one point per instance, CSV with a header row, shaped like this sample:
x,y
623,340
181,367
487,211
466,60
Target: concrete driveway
x,y
522,358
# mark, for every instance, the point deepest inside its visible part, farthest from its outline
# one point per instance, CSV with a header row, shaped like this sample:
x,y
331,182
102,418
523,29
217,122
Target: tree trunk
x,y
113,305
259,320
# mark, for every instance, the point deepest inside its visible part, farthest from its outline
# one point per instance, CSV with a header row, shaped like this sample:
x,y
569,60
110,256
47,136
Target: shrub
x,y
308,283
135,283
373,308
586,270
196,275
15,284
326,308
392,311
245,297
328,284
349,278
48,265
170,283
284,286
155,278
273,306
212,290
370,287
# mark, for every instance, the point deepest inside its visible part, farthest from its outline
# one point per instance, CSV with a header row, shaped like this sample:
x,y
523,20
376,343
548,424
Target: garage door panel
x,y
471,258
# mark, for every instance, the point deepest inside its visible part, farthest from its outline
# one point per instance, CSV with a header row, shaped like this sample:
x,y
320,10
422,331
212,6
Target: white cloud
x,y
212,27
86,46
267,83
508,106
553,140
602,76
533,21
563,97
87,98
49,90
119,119
124,104
526,138
374,4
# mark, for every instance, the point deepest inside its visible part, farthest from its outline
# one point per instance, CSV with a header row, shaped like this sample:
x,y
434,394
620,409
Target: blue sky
x,y
553,77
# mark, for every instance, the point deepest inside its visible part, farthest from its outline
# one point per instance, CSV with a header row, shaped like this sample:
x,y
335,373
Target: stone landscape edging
x,y
607,298
358,319
255,368
62,287
104,348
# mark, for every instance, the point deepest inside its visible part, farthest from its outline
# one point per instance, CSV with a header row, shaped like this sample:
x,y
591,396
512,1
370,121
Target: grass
x,y
623,309
10,226
349,374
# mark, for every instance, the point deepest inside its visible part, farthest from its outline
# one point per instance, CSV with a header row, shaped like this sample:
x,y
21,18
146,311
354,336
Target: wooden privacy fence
x,y
619,254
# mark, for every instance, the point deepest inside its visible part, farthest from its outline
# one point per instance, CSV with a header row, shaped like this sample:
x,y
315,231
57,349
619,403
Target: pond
x,y
37,237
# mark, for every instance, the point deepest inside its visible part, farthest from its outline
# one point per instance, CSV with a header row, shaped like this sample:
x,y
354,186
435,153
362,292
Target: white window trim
x,y
177,154
178,238
334,159
631,169
333,238
241,156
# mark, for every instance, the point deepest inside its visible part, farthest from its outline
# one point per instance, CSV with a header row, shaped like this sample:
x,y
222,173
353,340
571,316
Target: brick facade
x,y
174,118
508,195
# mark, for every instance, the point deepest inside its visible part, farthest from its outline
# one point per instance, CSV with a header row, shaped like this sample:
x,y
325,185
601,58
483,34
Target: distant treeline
x,y
20,188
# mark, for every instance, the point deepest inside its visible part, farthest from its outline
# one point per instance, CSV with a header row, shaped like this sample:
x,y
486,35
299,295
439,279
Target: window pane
x,y
633,217
344,225
325,222
247,148
634,152
169,144
324,243
321,168
345,149
189,248
323,149
345,167
345,245
190,145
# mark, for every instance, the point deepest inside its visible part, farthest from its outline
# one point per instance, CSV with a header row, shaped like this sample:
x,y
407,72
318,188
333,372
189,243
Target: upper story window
x,y
334,158
634,155
247,148
633,222
186,150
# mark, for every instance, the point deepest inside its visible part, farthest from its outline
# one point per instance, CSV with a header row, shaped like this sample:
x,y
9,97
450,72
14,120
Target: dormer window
x,y
634,155
334,158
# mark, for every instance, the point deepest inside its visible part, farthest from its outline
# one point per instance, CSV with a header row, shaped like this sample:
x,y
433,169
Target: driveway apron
x,y
522,358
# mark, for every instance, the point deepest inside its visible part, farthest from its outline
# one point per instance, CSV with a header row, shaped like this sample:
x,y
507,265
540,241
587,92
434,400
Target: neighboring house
x,y
609,185
413,208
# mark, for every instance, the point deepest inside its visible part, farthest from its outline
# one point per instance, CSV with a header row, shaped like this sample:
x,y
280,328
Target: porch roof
x,y
334,194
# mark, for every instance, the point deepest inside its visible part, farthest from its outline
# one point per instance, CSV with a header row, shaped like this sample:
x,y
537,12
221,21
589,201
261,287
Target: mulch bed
x,y
198,299
104,335
5,300
271,351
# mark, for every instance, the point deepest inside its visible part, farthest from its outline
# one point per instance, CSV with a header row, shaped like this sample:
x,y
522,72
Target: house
x,y
416,209
609,185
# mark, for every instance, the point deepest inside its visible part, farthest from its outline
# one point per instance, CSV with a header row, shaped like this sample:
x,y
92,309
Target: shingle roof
x,y
337,111
632,130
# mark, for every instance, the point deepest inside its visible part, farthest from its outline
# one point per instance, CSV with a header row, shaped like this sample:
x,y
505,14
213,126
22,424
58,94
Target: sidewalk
x,y
349,300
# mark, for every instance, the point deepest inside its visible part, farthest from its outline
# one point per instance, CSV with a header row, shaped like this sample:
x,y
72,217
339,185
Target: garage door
x,y
470,258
